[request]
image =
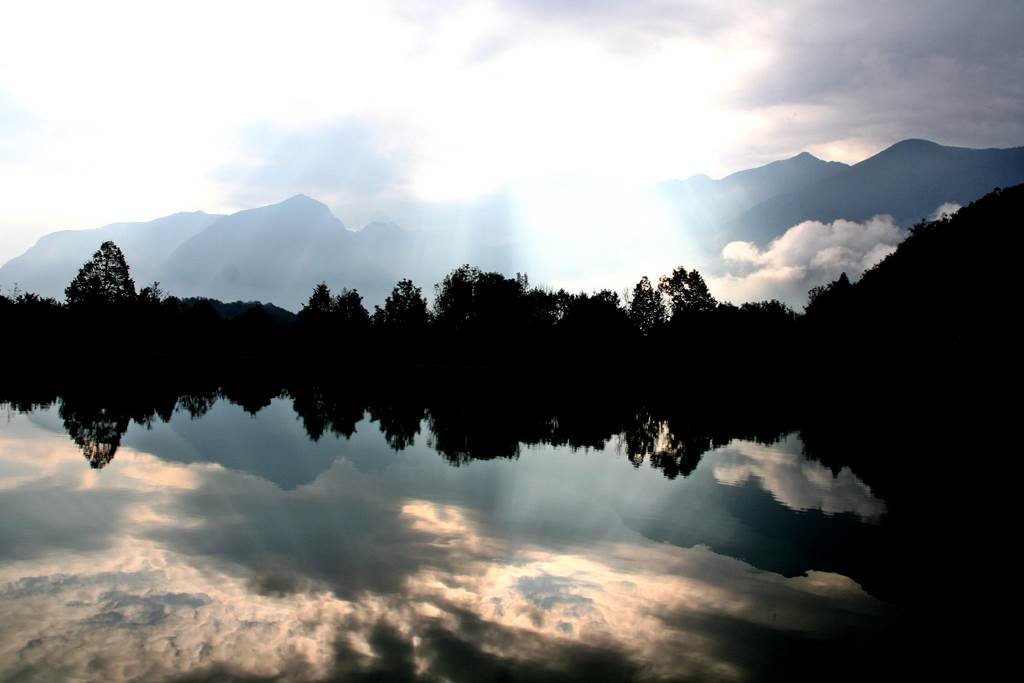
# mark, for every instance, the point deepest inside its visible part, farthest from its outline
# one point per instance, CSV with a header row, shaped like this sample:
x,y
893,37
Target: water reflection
x,y
462,428
794,481
308,536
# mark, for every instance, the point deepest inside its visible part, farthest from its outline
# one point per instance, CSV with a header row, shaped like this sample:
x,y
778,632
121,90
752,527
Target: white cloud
x,y
947,209
808,254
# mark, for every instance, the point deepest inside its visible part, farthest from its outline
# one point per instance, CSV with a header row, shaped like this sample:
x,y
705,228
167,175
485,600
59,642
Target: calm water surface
x,y
228,544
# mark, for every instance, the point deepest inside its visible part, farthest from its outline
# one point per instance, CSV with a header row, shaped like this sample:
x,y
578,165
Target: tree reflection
x,y
252,393
668,445
682,454
96,428
399,420
485,422
198,403
463,431
322,411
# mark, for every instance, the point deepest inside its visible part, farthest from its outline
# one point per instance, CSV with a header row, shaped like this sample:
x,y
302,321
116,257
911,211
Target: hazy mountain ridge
x,y
706,206
278,252
744,189
49,265
907,181
244,250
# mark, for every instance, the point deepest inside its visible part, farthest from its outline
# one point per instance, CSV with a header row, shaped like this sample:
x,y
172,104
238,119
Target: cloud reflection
x,y
796,482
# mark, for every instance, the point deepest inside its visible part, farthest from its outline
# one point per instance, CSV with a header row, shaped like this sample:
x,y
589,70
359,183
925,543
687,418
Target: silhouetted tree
x,y
151,295
319,300
327,321
103,280
600,313
404,309
544,308
483,317
771,309
32,324
348,310
454,305
829,296
646,307
686,292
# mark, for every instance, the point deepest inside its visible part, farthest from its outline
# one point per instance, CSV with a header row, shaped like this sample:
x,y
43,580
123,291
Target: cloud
x,y
808,254
944,211
870,73
850,77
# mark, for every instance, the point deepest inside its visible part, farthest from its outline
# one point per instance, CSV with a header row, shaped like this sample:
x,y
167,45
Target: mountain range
x,y
278,252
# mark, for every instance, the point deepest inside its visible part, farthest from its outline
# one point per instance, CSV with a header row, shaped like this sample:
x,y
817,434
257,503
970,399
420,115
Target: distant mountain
x,y
738,192
271,253
53,261
706,207
907,181
279,252
233,310
284,244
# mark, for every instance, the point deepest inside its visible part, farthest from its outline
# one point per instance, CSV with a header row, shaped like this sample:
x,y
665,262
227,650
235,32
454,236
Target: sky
x,y
113,111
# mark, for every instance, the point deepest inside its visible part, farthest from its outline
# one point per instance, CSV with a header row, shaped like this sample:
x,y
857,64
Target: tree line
x,y
475,318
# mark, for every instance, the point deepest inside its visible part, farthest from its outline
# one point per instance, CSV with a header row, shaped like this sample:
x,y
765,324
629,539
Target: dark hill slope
x,y
947,289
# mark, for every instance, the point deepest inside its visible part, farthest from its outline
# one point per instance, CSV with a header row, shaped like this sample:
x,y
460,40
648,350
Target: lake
x,y
313,536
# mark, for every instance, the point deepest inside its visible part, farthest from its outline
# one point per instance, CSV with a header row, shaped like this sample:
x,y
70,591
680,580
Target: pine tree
x,y
103,280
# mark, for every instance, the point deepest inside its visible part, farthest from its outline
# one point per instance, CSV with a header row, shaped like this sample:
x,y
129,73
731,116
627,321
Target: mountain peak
x,y
295,206
805,156
300,199
915,142
906,151
911,146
